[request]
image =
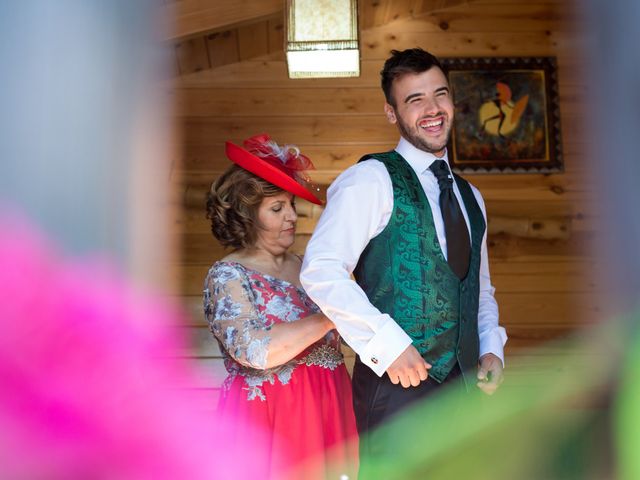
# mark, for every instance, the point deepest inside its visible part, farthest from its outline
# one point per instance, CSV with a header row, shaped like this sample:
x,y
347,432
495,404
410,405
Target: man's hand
x,y
409,368
490,373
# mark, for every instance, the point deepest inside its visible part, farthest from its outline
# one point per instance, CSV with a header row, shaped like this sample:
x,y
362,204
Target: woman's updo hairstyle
x,y
232,206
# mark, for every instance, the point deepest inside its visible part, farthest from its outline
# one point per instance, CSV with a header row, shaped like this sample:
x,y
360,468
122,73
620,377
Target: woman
x,y
286,372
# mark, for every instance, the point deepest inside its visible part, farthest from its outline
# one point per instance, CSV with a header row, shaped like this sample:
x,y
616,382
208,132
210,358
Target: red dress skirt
x,y
302,410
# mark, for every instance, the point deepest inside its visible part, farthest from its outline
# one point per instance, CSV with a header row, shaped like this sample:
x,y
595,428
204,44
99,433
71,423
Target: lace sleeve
x,y
233,318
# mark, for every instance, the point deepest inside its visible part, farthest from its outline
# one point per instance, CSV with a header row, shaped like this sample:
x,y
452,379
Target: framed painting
x,y
507,117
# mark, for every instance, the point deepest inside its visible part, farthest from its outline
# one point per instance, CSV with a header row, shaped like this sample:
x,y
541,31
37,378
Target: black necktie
x,y
458,246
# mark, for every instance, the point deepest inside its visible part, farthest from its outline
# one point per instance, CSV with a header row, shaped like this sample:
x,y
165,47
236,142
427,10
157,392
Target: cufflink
x,y
374,360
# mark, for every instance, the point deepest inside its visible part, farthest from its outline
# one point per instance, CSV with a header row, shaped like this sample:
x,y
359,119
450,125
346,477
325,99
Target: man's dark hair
x,y
412,60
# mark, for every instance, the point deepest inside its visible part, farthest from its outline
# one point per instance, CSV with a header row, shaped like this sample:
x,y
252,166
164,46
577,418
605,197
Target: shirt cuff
x,y
385,346
493,342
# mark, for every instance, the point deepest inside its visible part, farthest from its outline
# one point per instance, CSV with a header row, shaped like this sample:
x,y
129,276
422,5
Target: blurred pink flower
x,y
89,388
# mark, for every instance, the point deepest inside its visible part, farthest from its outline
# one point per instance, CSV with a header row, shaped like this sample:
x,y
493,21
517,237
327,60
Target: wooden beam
x,y
195,17
192,56
253,40
376,13
222,47
541,227
428,6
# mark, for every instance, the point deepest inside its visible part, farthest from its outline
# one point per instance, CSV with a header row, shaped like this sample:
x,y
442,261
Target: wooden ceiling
x,y
211,33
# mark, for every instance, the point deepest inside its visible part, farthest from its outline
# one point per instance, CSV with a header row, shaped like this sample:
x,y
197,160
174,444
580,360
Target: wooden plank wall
x,y
543,224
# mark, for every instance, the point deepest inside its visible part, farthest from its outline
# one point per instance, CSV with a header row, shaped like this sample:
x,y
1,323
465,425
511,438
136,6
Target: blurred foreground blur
x,y
90,385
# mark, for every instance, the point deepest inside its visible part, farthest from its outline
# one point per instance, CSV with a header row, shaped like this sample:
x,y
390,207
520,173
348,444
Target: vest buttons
x,y
374,360
464,288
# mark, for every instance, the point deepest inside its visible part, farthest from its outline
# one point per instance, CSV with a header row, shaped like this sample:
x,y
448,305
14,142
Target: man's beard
x,y
417,141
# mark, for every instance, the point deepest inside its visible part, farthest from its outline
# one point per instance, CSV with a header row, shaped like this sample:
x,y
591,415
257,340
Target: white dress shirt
x,y
359,206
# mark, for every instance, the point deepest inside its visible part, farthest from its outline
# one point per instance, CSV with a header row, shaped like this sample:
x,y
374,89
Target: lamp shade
x,y
322,38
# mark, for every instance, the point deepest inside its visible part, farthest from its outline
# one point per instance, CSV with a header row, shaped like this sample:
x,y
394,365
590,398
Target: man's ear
x,y
390,112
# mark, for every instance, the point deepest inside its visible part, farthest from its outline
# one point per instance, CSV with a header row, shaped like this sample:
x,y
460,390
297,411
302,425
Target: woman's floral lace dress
x,y
304,405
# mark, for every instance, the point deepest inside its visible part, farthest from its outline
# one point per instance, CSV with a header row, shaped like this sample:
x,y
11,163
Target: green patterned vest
x,y
405,274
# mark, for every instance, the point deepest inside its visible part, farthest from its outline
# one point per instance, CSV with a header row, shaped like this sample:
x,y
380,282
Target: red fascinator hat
x,y
282,166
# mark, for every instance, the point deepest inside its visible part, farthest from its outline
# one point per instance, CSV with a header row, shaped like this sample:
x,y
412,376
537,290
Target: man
x,y
421,308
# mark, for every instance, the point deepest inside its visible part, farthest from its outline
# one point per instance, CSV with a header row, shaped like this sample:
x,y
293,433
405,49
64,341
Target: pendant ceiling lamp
x,y
322,38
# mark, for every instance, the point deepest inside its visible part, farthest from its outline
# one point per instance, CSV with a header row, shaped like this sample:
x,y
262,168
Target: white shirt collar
x,y
418,159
